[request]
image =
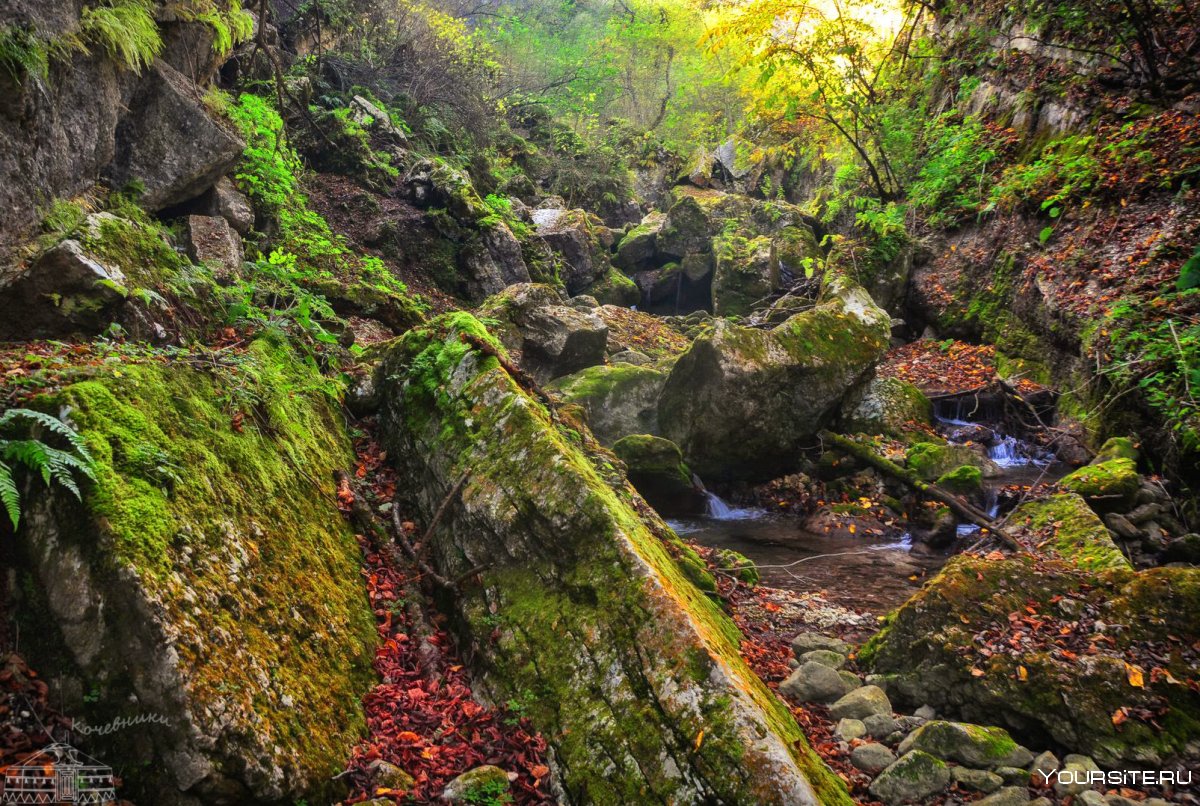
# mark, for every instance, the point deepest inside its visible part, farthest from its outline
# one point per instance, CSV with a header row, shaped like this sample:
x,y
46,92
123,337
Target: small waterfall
x,y
718,510
1005,452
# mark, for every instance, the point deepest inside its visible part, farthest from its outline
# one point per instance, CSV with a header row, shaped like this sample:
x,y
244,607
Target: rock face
x,y
213,242
493,262
582,240
65,291
624,662
549,338
168,143
618,400
788,382
224,601
928,653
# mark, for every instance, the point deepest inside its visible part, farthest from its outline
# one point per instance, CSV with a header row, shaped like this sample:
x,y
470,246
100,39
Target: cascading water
x,y
719,510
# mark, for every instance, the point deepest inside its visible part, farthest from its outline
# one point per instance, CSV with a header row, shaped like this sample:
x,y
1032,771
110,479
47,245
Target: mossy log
x,y
957,505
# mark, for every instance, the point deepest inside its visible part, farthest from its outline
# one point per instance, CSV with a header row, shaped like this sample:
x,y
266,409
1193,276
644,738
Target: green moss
x,y
235,531
597,606
615,289
1117,448
1110,482
1036,371
963,480
930,461
737,564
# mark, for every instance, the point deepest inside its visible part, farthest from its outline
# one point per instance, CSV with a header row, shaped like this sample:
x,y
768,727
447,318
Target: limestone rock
x,y
861,704
549,338
388,776
1072,778
814,682
973,745
582,240
1108,485
913,776
1008,796
930,461
881,725
808,641
976,780
850,729
65,291
872,757
618,400
168,143
493,263
788,382
226,201
212,242
886,406
640,243
826,657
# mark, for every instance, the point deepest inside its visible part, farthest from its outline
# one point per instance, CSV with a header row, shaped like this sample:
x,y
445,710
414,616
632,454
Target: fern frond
x,y
28,452
50,423
9,494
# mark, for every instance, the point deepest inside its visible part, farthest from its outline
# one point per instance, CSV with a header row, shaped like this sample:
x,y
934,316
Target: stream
x,y
874,575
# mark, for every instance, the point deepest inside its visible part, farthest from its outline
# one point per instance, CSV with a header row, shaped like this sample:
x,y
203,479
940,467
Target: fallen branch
x,y
958,506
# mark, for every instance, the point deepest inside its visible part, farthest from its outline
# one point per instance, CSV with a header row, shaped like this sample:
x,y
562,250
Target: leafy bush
x,y
54,465
954,178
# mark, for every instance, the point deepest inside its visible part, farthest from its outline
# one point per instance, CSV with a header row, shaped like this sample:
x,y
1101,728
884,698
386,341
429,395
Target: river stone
x,y
808,641
925,712
913,776
872,757
1042,768
1075,767
880,725
853,681
631,357
973,745
1090,798
861,703
474,786
977,780
814,682
850,729
825,657
1008,796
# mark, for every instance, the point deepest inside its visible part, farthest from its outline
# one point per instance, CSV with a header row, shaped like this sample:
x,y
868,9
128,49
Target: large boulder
x,y
168,143
639,245
549,338
749,269
1107,484
492,262
207,587
1053,650
1064,526
580,611
618,400
582,241
741,402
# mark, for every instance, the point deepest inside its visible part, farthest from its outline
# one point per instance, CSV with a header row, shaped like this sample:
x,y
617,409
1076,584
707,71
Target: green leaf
x,y
1045,234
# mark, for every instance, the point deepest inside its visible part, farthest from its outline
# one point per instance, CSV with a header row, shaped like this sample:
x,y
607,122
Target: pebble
x,y
880,725
925,712
1043,767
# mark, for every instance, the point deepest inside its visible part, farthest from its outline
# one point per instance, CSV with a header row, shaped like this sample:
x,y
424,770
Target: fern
x,y
126,30
54,465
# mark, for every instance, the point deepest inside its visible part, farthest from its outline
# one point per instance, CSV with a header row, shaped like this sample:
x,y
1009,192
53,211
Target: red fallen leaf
x,y
236,422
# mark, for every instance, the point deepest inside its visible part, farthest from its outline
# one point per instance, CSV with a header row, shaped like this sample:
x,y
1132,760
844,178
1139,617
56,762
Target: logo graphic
x,y
58,774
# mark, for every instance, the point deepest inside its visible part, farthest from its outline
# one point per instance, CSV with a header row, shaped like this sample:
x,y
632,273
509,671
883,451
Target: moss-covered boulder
x,y
962,480
887,406
973,745
741,401
581,608
1064,526
640,244
207,579
547,337
1107,485
617,399
745,273
582,242
655,467
614,288
930,461
1054,652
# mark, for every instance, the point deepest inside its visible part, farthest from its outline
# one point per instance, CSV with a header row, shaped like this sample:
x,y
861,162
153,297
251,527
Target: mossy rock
x,y
928,652
745,272
973,745
615,289
962,480
1117,448
619,400
584,610
930,461
1077,534
655,467
1108,485
888,406
208,575
737,564
789,382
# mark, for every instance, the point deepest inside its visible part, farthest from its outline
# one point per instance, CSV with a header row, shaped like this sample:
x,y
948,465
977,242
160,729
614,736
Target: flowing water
x,y
861,573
